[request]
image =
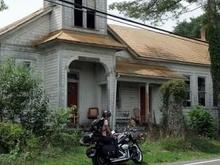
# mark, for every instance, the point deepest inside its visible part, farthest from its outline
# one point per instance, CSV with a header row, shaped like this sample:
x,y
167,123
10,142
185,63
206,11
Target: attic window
x,y
78,13
90,19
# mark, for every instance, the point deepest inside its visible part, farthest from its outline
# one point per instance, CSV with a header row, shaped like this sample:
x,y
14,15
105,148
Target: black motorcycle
x,y
123,149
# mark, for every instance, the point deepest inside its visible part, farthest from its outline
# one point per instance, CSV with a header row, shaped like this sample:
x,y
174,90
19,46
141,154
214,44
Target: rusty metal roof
x,y
135,68
161,46
82,38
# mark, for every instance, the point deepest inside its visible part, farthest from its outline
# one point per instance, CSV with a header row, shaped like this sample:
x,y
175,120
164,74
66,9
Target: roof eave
x,y
81,43
152,77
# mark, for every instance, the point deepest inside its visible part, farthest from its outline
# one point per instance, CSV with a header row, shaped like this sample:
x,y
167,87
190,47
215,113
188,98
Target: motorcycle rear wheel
x,y
137,155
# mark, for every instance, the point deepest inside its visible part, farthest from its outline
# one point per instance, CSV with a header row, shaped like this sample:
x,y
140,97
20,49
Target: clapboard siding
x,y
29,34
51,78
129,95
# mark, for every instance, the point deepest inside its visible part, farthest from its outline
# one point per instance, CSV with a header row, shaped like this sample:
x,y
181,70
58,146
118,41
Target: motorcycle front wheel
x,y
99,159
137,155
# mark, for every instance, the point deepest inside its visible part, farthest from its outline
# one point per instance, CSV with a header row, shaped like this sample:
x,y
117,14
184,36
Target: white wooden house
x,y
85,62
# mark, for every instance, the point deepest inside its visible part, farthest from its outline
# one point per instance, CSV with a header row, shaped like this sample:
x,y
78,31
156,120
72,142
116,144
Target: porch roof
x,y
81,38
134,68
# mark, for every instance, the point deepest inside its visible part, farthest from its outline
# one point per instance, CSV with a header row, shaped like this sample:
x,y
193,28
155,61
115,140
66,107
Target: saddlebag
x,y
109,150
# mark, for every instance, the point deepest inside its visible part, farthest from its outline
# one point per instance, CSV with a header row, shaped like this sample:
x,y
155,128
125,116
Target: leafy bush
x,y
13,138
65,139
61,135
22,99
201,122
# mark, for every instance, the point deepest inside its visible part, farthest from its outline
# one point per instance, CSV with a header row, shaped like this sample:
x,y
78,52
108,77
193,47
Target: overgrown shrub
x,y
61,135
173,95
13,138
201,122
22,98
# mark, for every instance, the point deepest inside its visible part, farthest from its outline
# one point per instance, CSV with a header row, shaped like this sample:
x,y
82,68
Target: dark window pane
x,y
187,102
201,91
78,14
90,19
118,100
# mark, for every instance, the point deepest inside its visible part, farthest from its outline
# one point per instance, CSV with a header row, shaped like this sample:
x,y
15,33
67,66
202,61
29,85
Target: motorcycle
x,y
101,154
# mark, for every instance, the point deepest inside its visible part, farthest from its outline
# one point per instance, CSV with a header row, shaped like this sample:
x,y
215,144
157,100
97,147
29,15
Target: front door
x,y
72,94
143,104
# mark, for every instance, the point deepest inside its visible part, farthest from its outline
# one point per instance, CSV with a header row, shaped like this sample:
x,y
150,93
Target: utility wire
x,y
118,17
102,16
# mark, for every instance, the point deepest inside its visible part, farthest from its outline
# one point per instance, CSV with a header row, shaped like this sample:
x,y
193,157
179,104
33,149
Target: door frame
x,y
78,87
142,118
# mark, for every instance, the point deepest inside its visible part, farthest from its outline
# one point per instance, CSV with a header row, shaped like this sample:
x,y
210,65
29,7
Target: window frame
x,y
203,92
189,92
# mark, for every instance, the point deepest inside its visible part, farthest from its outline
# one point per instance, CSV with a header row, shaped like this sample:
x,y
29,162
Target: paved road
x,y
201,162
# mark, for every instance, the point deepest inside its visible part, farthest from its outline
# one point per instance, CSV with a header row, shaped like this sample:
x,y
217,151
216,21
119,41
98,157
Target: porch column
x,y
112,87
148,115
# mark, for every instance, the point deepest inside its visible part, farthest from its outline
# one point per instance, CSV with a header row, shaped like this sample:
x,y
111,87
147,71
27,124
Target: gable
x,y
25,31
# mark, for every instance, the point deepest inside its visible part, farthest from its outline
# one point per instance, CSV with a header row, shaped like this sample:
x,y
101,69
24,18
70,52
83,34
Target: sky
x,y
21,8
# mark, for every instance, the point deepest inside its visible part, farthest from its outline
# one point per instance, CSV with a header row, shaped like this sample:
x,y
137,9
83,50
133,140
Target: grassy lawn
x,y
168,150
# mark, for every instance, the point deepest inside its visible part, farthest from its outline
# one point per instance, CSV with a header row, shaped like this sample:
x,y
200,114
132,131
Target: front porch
x,y
127,96
139,101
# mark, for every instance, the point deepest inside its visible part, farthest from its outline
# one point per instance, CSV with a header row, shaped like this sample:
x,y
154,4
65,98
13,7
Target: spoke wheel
x,y
137,156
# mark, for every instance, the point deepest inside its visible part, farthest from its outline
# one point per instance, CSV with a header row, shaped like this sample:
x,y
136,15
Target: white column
x,y
194,89
147,102
112,87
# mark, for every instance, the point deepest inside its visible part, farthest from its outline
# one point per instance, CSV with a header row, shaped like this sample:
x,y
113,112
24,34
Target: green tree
x,y
2,5
160,10
191,28
22,98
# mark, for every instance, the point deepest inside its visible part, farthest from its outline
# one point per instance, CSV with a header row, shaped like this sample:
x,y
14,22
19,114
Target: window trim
x,y
189,91
205,90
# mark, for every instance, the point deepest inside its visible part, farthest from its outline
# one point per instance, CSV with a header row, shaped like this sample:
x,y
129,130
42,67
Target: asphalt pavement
x,y
200,162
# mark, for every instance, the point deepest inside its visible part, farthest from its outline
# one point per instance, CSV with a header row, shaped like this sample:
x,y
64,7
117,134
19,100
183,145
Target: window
x,y
118,97
26,63
188,101
78,13
201,91
215,99
73,76
90,19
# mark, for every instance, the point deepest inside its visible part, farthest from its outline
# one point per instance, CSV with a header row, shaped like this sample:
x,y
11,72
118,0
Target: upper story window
x,y
188,101
91,14
201,91
84,18
78,13
90,19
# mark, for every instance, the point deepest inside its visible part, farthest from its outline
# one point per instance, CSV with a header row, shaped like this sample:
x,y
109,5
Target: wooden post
x,y
147,109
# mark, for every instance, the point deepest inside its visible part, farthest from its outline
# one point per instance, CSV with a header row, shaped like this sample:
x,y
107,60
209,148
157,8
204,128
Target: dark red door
x,y
72,94
143,104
